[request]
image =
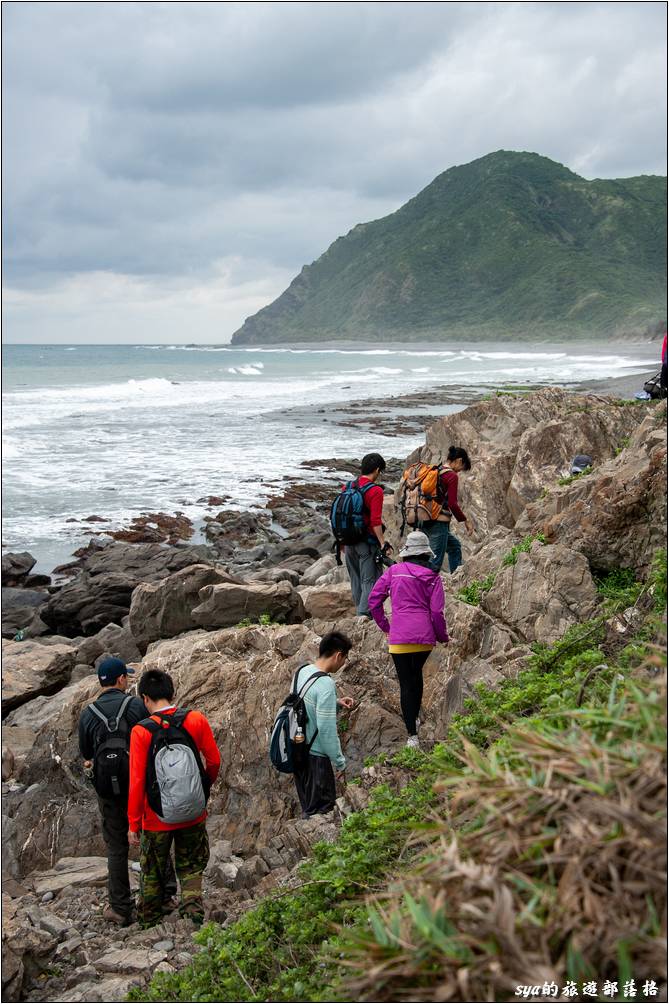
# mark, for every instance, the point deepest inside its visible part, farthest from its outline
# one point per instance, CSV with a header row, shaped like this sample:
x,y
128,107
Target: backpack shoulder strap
x,y
96,711
312,679
293,685
116,719
178,718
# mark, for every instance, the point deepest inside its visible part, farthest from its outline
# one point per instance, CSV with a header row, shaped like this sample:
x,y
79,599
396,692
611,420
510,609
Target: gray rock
x,y
19,607
71,872
318,569
16,566
31,669
163,946
129,960
227,604
328,602
114,989
101,593
164,609
111,640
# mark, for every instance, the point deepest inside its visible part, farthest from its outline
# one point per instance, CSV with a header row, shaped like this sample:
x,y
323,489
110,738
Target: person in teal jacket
x,y
315,782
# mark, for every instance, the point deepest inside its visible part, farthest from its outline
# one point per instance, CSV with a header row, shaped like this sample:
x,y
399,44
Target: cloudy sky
x,y
169,167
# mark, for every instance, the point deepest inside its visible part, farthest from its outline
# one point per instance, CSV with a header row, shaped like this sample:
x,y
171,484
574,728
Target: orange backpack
x,y
420,497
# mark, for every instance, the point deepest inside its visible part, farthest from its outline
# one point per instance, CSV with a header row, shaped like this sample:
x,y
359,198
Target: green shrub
x,y
572,477
526,543
473,593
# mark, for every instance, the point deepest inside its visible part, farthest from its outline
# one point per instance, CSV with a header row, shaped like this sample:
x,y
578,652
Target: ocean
x,y
119,430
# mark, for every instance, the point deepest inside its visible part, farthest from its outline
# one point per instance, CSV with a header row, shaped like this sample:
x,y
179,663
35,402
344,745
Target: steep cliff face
x,y
508,246
558,537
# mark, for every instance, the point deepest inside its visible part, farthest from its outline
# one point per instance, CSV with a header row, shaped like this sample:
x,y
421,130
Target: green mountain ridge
x,y
513,245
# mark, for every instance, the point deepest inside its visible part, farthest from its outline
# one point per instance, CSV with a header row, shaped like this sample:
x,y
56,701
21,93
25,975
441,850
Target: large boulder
x,y
101,593
31,669
58,714
328,602
16,567
229,603
19,607
111,640
318,569
165,609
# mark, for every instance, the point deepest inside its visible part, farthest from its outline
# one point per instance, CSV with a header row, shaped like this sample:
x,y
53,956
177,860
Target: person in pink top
x,y
663,372
418,623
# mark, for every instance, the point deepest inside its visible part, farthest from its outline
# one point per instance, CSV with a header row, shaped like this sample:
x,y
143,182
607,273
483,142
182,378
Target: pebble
x,y
163,946
48,896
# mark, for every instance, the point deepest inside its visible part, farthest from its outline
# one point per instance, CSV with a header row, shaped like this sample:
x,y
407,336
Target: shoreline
x,y
383,418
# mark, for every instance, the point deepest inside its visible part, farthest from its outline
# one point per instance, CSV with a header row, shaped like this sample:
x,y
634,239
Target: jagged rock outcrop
x,y
617,515
520,445
543,593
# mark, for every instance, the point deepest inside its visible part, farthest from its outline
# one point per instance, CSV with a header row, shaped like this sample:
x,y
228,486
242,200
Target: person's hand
x,y
340,776
133,838
388,546
88,764
346,702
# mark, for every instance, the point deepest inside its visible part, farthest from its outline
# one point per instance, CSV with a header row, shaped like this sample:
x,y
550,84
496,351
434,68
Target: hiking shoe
x,y
413,743
120,919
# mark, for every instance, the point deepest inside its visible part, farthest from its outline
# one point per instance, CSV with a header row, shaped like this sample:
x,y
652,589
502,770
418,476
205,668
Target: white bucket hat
x,y
417,543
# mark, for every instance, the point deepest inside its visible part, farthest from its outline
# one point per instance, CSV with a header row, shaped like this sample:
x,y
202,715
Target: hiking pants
x,y
443,542
409,666
115,833
315,785
363,572
191,854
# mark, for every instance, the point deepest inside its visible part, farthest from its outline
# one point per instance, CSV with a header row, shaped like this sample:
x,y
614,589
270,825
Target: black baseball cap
x,y
111,668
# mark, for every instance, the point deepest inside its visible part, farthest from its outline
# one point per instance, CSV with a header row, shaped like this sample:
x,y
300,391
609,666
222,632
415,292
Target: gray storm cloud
x,y
197,155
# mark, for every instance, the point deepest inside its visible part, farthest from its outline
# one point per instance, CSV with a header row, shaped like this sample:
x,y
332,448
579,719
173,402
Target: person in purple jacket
x,y
418,623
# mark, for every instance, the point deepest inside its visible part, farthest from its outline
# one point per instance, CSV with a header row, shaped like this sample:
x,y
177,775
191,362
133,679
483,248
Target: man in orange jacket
x,y
191,845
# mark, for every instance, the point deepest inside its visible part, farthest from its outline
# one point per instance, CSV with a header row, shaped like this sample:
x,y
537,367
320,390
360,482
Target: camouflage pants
x,y
191,854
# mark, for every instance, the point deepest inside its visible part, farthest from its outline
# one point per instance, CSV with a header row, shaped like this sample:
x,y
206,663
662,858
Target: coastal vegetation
x,y
533,834
510,246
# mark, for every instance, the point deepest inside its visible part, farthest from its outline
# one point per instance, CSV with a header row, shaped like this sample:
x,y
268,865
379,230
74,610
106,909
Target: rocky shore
x,y
231,617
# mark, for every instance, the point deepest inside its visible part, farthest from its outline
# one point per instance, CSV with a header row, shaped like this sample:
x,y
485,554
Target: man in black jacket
x,y
113,675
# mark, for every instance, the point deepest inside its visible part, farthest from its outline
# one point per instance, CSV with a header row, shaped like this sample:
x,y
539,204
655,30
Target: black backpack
x,y
177,786
284,753
347,516
111,761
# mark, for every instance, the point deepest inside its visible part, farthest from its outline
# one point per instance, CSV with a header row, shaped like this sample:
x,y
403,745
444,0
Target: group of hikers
x,y
152,763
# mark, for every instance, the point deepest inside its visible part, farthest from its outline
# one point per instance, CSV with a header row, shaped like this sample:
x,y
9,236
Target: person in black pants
x,y
418,623
113,676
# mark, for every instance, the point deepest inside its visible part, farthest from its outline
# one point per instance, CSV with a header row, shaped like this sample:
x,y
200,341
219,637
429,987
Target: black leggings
x,y
409,666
